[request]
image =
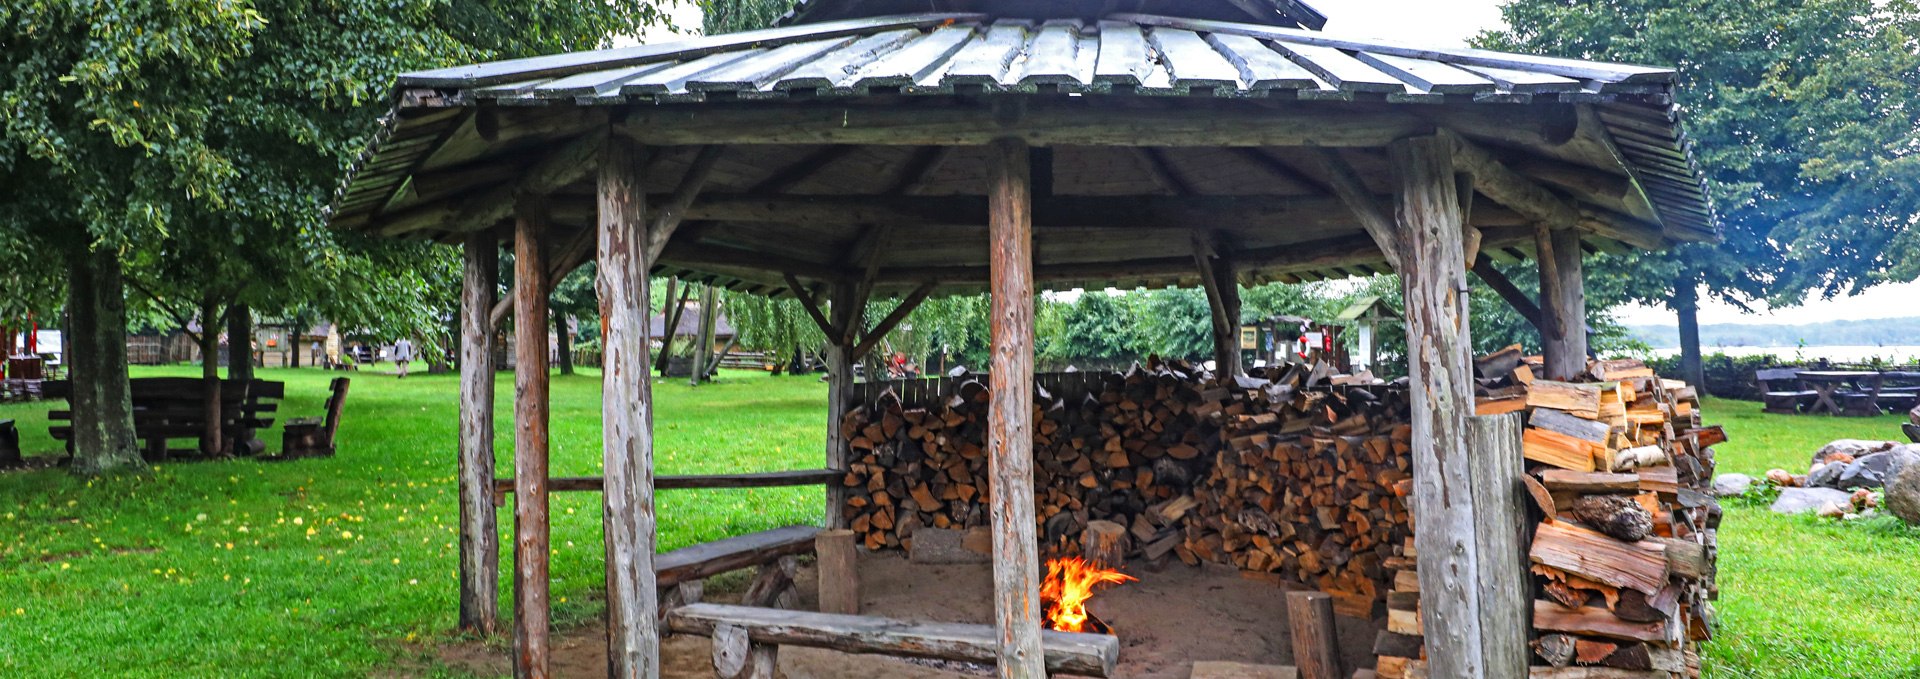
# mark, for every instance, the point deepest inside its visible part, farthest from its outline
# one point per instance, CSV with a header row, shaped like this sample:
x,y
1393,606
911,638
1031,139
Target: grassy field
x,y
345,566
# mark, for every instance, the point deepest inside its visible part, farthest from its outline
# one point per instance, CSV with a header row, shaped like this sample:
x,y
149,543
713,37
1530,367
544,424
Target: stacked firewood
x,y
1624,555
1309,486
1126,453
1401,647
1294,473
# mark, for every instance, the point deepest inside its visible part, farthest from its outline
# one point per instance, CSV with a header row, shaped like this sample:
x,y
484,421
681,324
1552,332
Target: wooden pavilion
x,y
868,149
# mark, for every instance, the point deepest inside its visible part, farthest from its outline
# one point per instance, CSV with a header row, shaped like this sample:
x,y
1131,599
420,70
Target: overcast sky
x,y
1450,23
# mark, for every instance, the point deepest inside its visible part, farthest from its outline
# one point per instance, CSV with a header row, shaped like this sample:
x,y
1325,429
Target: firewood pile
x,y
1624,555
1295,472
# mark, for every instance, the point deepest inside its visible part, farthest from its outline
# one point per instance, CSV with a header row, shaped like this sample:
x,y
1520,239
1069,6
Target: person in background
x,y
402,355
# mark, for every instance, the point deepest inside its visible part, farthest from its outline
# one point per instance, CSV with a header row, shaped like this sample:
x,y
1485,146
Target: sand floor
x,y
1166,622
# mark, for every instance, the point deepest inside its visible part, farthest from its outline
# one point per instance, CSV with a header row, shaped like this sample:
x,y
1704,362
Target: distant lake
x,y
1840,354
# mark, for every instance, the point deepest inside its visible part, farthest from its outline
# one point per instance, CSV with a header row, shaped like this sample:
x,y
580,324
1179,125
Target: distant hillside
x,y
1875,332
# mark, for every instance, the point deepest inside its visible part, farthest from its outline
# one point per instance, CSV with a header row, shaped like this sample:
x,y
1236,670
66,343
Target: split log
x,y
1104,543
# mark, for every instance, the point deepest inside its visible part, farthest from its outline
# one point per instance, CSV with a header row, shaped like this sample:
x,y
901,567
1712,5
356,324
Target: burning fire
x,y
1068,586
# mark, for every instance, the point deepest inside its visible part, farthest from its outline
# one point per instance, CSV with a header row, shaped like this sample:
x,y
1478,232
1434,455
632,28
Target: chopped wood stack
x,y
1282,473
1401,647
1624,555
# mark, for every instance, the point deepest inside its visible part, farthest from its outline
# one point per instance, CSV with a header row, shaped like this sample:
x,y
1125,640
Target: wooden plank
x,y
1316,653
985,60
1063,652
1123,56
1260,67
1591,431
1016,566
1053,56
729,554
1592,555
1501,532
1567,481
560,65
1192,61
626,405
761,71
1345,72
1432,266
479,529
1594,621
531,531
913,61
1431,76
831,71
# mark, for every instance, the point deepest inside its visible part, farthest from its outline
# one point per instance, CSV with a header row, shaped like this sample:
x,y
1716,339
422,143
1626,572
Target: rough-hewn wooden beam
x,y
479,531
1505,186
1016,561
886,325
560,167
1223,301
633,607
1563,297
670,213
845,316
1504,287
531,530
1086,122
1345,183
813,308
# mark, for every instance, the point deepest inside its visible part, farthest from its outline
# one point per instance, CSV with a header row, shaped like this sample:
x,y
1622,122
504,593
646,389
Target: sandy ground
x,y
1166,622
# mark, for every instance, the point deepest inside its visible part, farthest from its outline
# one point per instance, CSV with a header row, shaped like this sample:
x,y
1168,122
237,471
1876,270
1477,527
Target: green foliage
x,y
1804,114
730,16
1727,376
1097,328
780,327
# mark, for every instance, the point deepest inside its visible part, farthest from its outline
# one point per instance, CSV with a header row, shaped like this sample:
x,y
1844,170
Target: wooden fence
x,y
931,392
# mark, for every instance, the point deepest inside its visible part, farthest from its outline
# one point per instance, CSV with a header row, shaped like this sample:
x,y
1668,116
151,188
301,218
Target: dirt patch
x,y
1166,622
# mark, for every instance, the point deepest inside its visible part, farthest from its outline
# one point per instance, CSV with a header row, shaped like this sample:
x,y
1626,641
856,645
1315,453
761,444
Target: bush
x,y
1727,376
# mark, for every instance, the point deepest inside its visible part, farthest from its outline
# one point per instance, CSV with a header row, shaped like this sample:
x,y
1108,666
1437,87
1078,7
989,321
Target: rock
x,y
1729,485
1797,500
1856,448
1784,478
942,546
1874,471
1826,475
1835,510
1903,495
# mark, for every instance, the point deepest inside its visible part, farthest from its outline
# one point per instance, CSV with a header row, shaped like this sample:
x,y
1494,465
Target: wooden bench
x,y
314,436
1781,400
167,408
745,639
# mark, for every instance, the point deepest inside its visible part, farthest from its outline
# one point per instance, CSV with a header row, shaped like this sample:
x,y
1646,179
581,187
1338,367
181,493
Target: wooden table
x,y
1825,383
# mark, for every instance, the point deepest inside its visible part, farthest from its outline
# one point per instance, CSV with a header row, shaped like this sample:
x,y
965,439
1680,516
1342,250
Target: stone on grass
x,y
1803,500
1903,495
1855,448
1729,485
1874,471
1826,475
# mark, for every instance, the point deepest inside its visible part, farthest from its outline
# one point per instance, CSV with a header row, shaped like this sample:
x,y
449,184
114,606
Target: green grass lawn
x,y
346,566
1801,596
330,567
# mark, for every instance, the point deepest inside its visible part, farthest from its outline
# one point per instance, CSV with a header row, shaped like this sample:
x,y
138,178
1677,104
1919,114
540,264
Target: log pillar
x,y
479,524
703,341
1432,264
843,313
633,635
531,531
1016,566
1563,303
1501,535
1218,278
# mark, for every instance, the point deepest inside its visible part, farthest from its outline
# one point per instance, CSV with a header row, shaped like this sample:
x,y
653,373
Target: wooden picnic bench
x,y
314,436
166,408
1782,390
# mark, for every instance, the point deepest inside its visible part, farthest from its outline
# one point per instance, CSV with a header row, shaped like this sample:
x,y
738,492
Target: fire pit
x,y
1070,583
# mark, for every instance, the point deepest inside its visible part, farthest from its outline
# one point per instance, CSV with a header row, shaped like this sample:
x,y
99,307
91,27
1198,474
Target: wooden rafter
x,y
899,313
668,216
813,307
1374,218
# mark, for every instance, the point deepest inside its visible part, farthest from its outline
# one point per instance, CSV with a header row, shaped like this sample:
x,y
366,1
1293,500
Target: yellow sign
x,y
1249,337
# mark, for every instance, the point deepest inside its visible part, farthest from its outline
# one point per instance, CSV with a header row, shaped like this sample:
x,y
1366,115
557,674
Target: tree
x,y
1804,112
1097,328
198,140
730,16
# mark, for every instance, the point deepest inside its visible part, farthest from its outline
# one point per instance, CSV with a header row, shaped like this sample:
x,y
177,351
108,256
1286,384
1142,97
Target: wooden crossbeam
x,y
886,325
672,211
564,165
1503,286
593,484
1378,222
807,302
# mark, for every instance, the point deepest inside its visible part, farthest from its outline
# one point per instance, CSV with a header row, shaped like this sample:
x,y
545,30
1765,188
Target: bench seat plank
x,y
1067,652
741,551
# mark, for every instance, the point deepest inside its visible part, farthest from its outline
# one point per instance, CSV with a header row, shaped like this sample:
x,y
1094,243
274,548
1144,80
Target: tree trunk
x,y
296,341
1016,561
479,522
1686,305
240,368
563,344
210,443
96,347
703,348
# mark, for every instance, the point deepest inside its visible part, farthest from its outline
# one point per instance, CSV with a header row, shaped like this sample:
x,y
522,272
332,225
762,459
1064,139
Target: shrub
x,y
1726,376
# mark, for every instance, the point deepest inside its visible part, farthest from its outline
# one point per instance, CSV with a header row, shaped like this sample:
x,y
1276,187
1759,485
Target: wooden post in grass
x,y
1016,560
633,635
531,532
479,528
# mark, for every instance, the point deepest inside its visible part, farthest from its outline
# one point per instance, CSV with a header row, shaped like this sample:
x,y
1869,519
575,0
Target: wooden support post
x,y
1223,300
845,314
1311,625
626,406
479,527
671,314
1016,563
839,571
735,657
531,532
703,346
1432,267
1563,298
1501,535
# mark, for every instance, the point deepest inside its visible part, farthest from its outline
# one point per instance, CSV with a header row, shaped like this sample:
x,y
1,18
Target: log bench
x,y
176,408
745,639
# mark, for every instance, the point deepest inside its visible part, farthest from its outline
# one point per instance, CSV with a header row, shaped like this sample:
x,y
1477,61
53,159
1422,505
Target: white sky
x,y
1450,23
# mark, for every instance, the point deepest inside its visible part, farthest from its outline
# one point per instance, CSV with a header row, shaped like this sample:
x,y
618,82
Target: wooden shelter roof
x,y
842,146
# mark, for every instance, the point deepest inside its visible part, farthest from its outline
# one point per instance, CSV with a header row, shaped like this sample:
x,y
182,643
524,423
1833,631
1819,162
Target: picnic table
x,y
1863,400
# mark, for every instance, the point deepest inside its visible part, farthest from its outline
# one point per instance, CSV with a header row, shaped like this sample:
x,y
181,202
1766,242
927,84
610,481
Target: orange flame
x,y
1069,585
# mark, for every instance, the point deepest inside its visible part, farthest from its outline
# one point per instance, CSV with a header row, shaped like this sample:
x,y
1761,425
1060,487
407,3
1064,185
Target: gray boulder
x,y
1803,500
1826,475
1903,495
1854,448
1729,485
1874,471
